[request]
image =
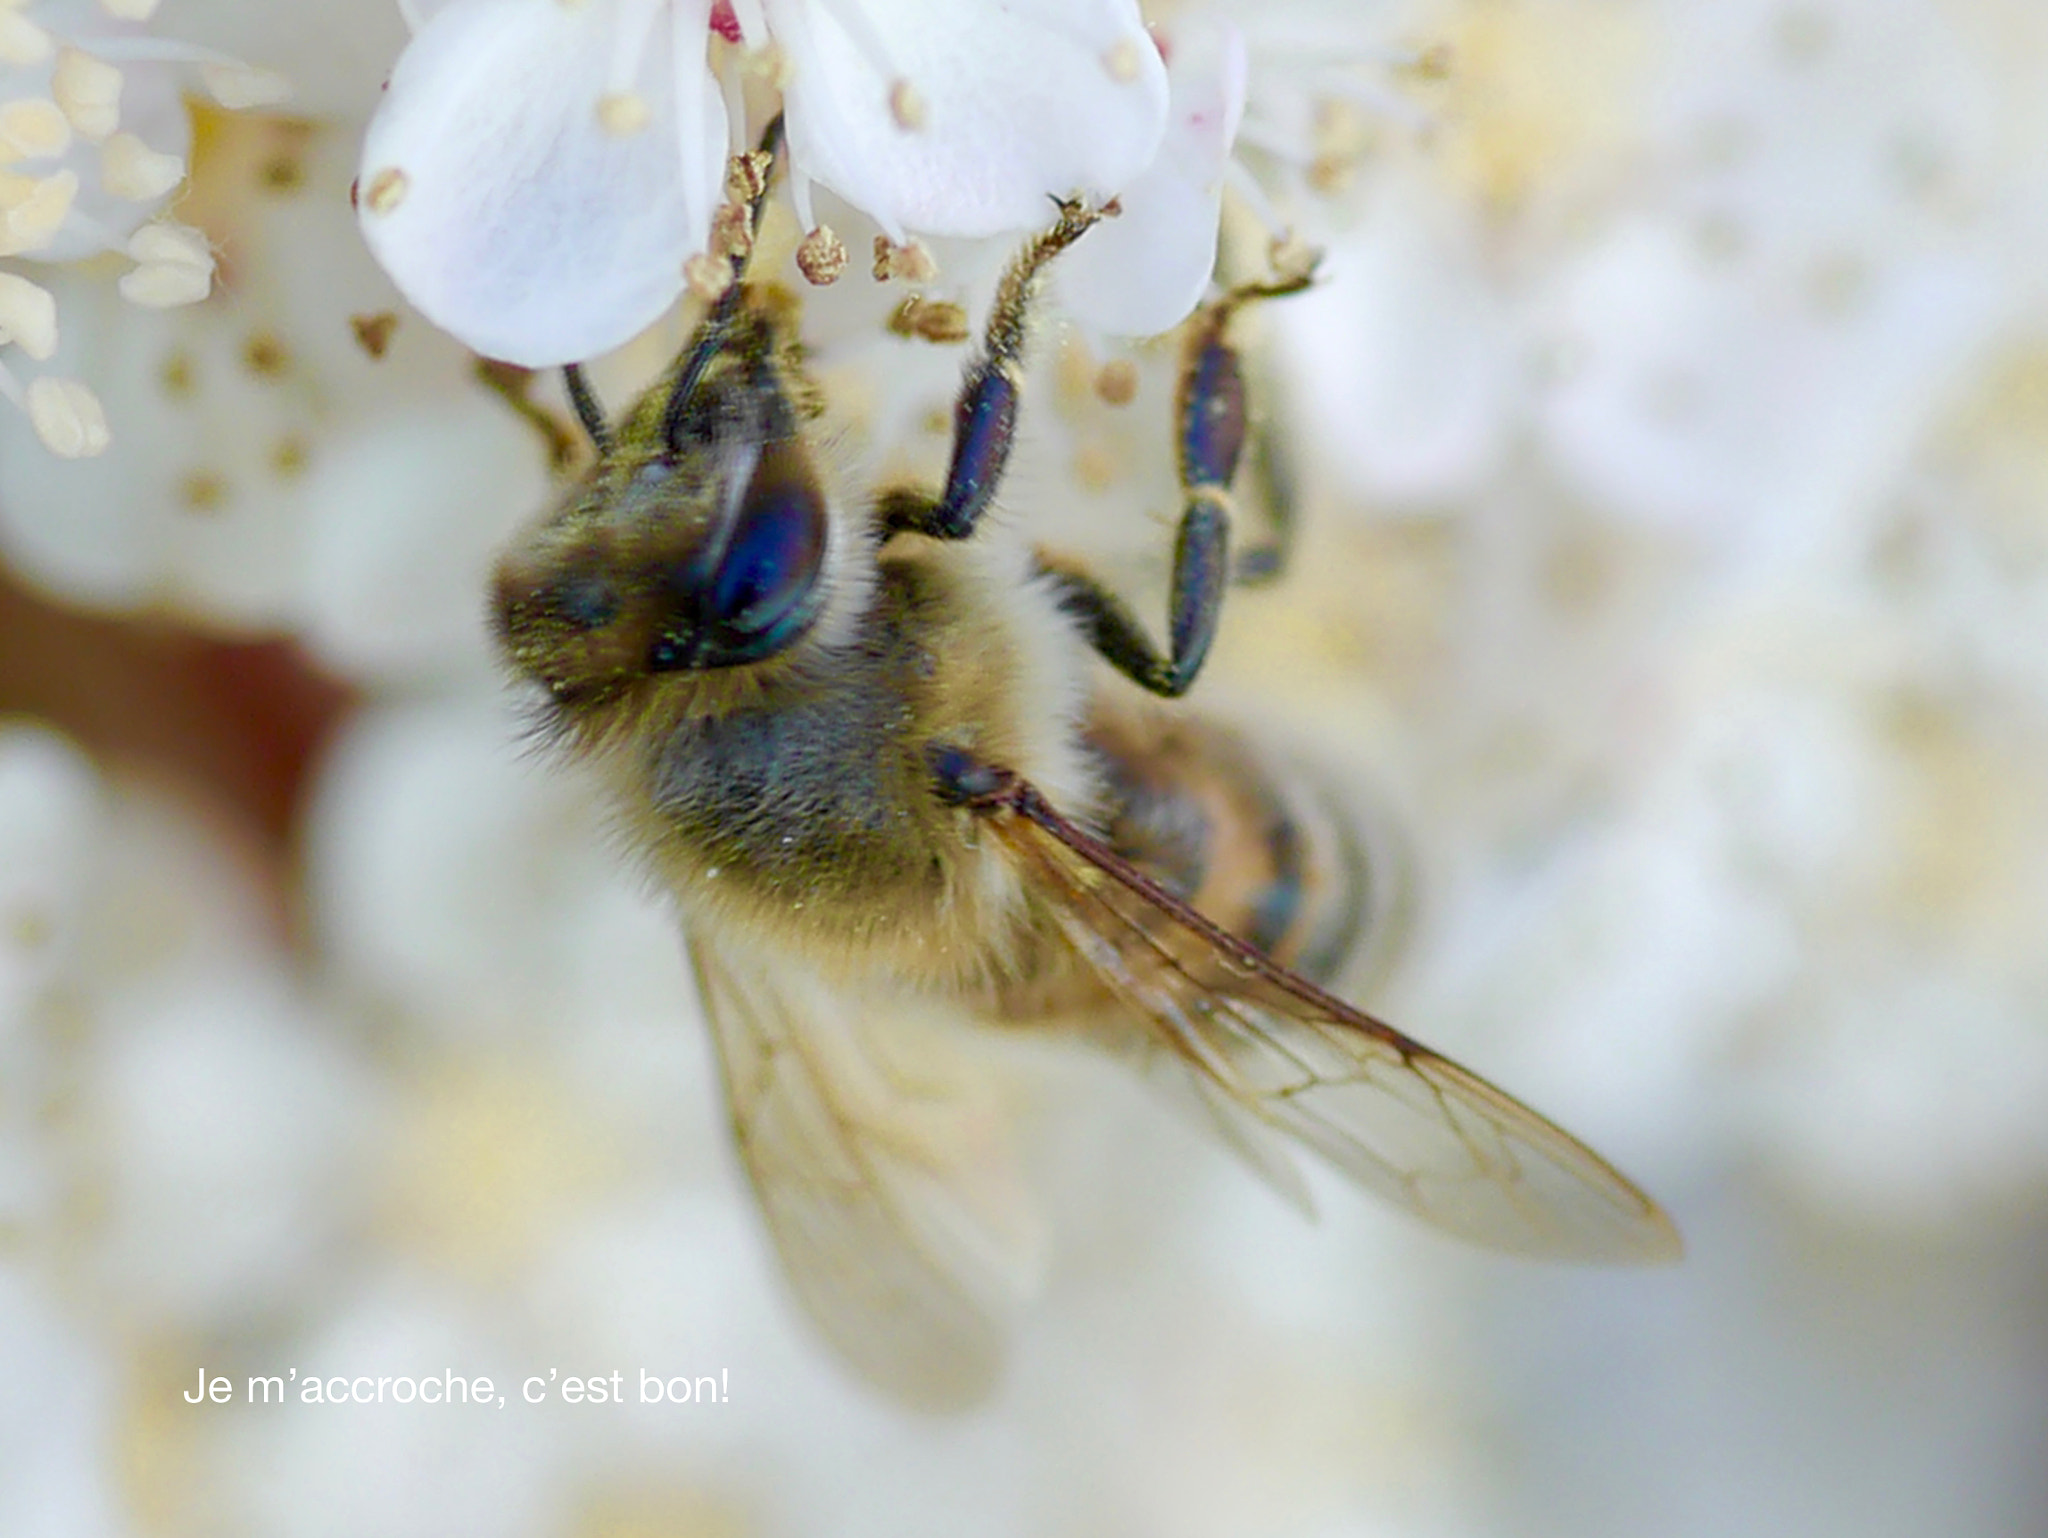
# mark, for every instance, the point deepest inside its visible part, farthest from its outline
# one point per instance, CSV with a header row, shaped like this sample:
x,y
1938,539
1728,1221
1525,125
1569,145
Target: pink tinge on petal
x,y
501,205
1141,274
955,118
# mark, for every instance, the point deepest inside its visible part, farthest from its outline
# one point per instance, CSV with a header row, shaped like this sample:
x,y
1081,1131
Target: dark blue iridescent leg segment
x,y
985,415
1211,424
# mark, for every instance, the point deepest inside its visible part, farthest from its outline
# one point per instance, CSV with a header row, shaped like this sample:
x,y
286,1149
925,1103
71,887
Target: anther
x,y
822,256
912,261
732,231
623,113
386,191
1117,383
1122,60
88,90
67,417
746,175
22,42
132,170
241,86
175,267
32,210
33,128
906,106
373,332
930,320
28,316
708,276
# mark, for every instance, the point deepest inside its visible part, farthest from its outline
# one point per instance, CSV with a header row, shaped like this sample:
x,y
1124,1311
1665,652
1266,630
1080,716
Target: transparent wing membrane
x,y
1396,1117
884,1177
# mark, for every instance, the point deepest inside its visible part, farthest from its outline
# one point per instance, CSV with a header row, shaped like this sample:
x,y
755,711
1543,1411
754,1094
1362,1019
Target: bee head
x,y
697,541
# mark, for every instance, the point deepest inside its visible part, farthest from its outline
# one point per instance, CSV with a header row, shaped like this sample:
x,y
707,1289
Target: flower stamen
x,y
88,92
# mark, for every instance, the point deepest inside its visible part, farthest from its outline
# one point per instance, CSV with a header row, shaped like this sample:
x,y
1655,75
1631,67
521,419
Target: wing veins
x,y
1254,1036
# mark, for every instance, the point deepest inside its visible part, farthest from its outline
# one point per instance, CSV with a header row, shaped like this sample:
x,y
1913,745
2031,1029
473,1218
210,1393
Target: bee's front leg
x,y
985,414
1211,423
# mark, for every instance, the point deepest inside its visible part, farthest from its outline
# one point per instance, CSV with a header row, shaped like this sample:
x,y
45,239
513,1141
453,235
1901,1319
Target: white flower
x,y
1143,272
90,151
538,173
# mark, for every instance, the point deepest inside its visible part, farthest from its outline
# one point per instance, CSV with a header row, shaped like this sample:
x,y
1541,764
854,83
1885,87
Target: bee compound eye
x,y
765,591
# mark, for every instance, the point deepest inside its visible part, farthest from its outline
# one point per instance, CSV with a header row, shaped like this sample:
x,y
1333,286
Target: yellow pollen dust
x,y
178,377
289,457
203,491
1122,60
265,355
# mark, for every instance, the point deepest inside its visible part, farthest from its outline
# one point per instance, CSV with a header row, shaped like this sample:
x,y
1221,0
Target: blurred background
x,y
1671,446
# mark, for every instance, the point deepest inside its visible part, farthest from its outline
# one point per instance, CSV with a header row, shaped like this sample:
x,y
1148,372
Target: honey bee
x,y
872,758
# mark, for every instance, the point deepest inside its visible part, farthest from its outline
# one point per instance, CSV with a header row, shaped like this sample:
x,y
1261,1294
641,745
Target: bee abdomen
x,y
1255,843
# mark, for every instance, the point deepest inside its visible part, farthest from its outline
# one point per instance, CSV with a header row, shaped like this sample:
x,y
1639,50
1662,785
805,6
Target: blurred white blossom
x,y
93,141
1666,432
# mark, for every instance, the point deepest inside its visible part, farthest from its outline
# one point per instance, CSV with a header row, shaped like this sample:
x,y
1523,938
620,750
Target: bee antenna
x,y
589,410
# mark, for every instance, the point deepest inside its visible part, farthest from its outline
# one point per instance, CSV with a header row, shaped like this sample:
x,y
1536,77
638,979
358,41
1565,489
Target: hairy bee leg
x,y
985,413
1211,424
1201,570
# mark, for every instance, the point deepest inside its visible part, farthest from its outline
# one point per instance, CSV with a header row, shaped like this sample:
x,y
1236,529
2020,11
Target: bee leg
x,y
985,414
1214,422
1211,420
1272,472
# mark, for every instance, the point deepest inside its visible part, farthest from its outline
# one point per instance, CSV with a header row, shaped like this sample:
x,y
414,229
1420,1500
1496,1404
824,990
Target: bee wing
x,y
882,1170
1398,1118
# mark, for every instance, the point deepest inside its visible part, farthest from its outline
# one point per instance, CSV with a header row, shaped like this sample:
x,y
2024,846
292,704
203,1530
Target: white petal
x,y
1009,105
500,205
1142,273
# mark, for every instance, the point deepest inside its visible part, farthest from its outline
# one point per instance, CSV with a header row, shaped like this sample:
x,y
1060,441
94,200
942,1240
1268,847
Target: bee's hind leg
x,y
1210,422
1270,469
985,414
